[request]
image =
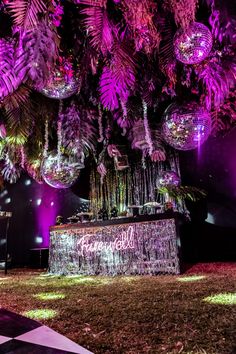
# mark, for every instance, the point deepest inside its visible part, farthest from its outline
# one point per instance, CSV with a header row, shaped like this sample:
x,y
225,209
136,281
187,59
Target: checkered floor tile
x,y
20,335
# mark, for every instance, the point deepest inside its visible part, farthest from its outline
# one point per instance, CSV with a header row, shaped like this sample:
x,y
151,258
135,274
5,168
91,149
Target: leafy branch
x,y
182,193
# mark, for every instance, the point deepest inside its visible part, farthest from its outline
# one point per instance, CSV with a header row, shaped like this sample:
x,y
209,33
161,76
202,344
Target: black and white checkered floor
x,y
20,335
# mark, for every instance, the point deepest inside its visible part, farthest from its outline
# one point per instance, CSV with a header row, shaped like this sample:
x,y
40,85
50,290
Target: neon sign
x,y
123,241
148,247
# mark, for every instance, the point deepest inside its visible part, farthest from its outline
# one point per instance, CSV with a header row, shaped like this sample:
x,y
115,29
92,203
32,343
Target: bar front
x,y
148,244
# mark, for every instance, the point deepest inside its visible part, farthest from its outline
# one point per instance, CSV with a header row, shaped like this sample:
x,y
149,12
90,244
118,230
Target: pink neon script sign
x,y
122,242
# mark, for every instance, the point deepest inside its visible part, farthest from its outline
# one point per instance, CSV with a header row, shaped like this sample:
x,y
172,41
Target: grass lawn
x,y
192,313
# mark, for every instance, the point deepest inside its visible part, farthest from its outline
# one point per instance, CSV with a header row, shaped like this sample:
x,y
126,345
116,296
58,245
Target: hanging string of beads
x,y
22,155
45,149
147,129
100,127
124,111
59,136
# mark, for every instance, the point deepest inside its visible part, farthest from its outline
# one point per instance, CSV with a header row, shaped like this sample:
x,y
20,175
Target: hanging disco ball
x,y
186,127
193,44
62,83
63,173
168,179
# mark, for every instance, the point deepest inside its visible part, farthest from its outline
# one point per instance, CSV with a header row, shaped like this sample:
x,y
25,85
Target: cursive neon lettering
x,y
122,242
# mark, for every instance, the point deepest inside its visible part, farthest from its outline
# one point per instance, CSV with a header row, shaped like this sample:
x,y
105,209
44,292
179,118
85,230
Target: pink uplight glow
x,y
45,213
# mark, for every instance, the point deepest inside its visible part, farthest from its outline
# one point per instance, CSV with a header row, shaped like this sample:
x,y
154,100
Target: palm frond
x,y
17,98
79,131
217,83
36,54
167,58
19,116
224,118
25,13
108,89
99,28
117,80
98,3
182,193
8,80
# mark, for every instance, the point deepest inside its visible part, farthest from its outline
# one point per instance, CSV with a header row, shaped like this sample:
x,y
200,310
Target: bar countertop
x,y
117,221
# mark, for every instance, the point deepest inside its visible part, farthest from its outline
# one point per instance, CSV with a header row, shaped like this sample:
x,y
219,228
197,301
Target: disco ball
x,y
186,127
60,85
64,174
193,44
168,179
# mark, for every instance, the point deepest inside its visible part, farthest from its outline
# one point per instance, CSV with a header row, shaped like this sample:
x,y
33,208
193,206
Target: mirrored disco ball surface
x,y
186,127
60,86
168,179
193,44
64,175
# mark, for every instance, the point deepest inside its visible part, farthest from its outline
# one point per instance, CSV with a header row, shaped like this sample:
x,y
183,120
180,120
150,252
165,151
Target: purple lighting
x,y
45,214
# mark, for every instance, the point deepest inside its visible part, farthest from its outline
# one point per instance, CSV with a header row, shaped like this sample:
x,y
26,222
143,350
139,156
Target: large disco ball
x,y
193,44
64,174
168,179
62,82
187,126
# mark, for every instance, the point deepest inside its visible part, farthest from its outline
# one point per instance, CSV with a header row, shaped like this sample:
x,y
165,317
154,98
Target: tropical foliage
x,y
121,53
183,193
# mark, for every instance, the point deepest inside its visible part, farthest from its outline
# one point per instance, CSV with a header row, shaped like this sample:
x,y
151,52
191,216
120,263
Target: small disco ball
x,y
60,85
63,173
193,44
186,127
168,179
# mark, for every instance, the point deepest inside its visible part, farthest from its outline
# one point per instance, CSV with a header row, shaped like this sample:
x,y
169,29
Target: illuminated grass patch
x,y
40,314
83,280
105,281
221,299
48,275
49,296
191,278
128,279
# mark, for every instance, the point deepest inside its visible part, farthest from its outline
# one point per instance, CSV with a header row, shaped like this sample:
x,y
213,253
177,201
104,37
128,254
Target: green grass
x,y
132,315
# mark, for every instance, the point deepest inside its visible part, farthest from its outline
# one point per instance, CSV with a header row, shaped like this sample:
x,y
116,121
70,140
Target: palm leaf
x,y
98,3
217,82
117,80
108,89
16,99
78,130
25,13
182,193
19,116
166,53
8,80
99,28
36,54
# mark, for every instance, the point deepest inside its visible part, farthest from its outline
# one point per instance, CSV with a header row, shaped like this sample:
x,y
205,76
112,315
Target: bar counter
x,y
147,244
